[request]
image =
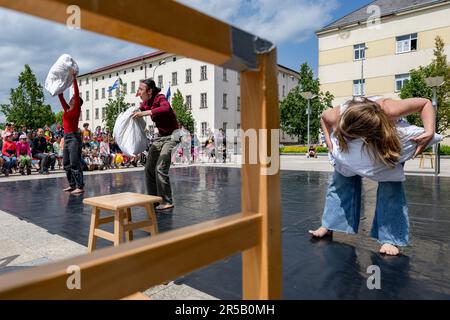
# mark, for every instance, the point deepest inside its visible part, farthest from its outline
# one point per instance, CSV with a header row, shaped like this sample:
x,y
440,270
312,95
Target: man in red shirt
x,y
158,161
72,140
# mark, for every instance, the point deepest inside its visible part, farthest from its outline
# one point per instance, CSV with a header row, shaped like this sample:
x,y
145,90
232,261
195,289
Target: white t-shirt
x,y
358,161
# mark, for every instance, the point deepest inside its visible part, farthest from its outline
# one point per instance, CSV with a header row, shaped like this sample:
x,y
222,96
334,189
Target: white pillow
x,y
59,77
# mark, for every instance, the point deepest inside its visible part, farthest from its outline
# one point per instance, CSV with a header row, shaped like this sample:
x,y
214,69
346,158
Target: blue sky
x,y
290,24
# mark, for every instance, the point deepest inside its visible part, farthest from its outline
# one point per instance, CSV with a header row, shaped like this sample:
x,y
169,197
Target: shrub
x,y
301,149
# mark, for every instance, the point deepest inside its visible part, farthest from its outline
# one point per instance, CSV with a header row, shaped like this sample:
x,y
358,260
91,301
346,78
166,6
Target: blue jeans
x,y
9,162
343,206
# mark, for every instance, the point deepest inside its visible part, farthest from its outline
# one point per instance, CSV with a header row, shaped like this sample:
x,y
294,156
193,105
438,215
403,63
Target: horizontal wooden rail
x,y
194,34
118,272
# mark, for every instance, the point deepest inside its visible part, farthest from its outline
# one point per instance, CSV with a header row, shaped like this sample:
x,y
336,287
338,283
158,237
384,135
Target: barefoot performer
x,y
72,140
374,123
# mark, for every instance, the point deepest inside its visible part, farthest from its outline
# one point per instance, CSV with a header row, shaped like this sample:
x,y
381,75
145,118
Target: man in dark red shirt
x,y
72,140
158,161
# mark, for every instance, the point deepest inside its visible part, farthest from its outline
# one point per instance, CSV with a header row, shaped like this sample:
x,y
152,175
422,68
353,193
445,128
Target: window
x,y
142,68
359,87
87,80
79,82
224,101
189,102
238,104
150,65
96,79
225,74
125,88
132,70
96,94
407,43
103,113
284,91
203,73
109,92
188,75
359,51
133,86
110,76
103,77
160,81
204,128
117,74
174,78
96,113
238,79
203,101
87,114
238,128
87,95
174,59
103,93
125,72
401,80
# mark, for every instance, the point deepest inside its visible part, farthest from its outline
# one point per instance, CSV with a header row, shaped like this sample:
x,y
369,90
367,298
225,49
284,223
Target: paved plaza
x,y
40,224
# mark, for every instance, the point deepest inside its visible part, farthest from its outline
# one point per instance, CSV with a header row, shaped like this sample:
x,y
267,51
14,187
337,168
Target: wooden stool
x,y
422,159
120,204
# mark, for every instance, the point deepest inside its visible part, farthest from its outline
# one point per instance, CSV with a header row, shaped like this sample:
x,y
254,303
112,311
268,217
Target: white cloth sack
x,y
130,133
59,77
357,160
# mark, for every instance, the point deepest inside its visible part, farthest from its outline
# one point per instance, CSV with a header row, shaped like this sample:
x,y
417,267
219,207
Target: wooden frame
x,y
256,232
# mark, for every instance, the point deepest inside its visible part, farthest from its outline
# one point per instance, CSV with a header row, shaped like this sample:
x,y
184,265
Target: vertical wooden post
x,y
261,265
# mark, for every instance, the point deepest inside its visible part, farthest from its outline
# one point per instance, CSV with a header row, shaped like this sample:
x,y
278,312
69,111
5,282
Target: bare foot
x,y
321,232
389,249
164,206
77,191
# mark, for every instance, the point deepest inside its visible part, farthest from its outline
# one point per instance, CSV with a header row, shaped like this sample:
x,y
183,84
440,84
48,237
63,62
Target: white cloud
x,y
278,21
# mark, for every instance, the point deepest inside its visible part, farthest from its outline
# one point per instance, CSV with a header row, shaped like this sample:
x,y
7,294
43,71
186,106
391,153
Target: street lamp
x,y
161,63
308,95
434,83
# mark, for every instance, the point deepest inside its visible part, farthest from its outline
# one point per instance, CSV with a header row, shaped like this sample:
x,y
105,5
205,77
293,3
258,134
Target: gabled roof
x,y
387,8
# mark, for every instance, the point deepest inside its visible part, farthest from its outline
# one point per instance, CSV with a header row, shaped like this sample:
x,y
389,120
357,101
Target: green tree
x,y
27,106
114,107
416,87
293,117
184,115
58,117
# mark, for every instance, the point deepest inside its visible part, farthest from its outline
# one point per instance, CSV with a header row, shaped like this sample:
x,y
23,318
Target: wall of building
x,y
337,68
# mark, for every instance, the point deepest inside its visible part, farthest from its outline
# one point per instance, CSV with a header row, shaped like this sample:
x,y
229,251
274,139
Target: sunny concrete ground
x,y
24,245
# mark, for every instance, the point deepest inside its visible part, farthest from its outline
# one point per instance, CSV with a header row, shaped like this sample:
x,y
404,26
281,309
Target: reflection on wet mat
x,y
334,268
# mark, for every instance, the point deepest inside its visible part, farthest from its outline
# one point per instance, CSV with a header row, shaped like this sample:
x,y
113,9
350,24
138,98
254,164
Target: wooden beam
x,y
162,24
262,272
117,272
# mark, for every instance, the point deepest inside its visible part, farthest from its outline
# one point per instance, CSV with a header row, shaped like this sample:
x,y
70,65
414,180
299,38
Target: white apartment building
x,y
212,93
358,56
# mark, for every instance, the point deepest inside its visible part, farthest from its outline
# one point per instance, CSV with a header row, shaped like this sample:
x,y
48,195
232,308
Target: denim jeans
x,y
9,162
343,206
47,160
72,160
157,168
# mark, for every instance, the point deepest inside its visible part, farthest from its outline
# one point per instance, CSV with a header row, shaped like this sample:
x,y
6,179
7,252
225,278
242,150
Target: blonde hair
x,y
366,120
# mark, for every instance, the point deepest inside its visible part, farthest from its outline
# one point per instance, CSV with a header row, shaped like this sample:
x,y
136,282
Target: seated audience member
x,y
8,153
24,155
40,151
